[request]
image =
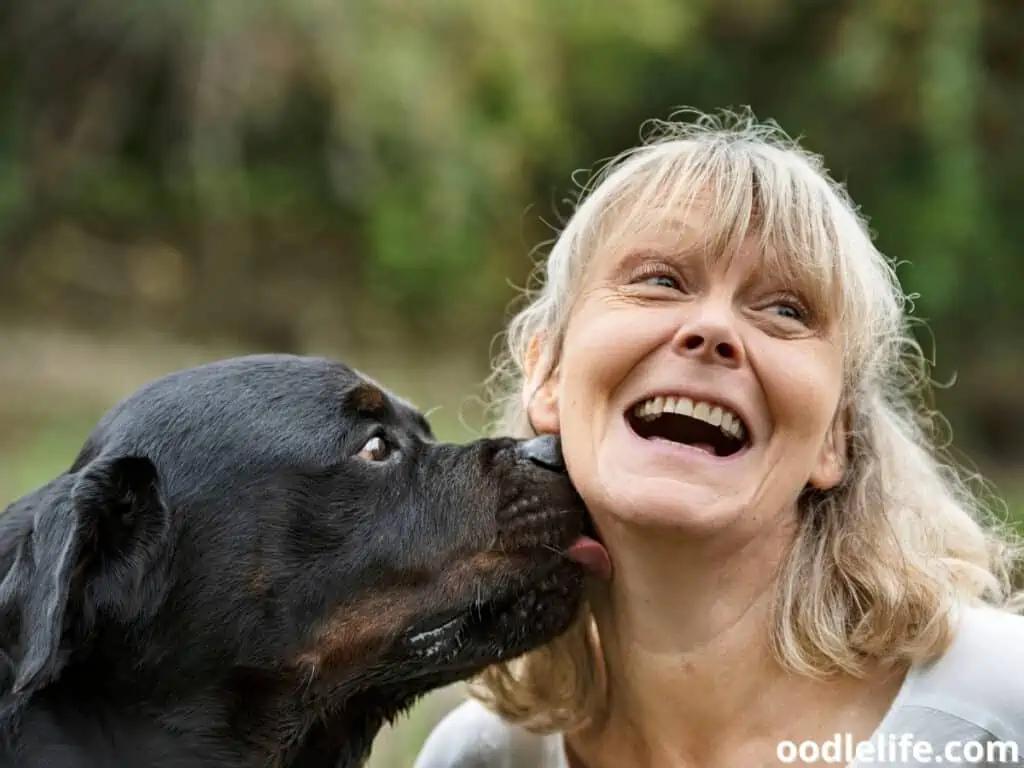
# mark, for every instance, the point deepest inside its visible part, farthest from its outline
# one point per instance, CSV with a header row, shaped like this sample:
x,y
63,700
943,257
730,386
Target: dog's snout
x,y
545,451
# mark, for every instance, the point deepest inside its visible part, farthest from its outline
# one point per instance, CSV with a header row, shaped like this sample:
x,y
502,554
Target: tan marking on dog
x,y
480,564
259,580
360,629
366,397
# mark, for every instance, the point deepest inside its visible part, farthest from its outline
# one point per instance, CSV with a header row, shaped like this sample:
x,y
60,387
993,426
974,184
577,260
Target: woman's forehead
x,y
698,236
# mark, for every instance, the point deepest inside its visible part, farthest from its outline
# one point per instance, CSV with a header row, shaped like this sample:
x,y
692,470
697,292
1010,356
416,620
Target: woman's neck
x,y
692,680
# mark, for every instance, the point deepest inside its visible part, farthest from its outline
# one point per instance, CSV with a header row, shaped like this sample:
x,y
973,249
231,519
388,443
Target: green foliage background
x,y
373,177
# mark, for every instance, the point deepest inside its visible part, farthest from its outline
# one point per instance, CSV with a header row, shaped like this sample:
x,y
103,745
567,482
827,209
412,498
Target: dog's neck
x,y
345,741
282,730
342,742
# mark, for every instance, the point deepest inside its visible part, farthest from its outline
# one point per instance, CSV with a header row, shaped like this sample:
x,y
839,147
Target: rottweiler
x,y
262,560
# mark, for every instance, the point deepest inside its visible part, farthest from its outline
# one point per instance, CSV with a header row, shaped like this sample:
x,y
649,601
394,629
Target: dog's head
x,y
284,531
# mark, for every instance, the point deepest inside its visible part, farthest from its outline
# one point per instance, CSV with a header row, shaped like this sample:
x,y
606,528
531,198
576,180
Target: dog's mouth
x,y
516,617
432,634
496,629
527,593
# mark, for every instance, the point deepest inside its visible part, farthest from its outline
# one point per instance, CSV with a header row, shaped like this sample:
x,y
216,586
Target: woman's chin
x,y
669,506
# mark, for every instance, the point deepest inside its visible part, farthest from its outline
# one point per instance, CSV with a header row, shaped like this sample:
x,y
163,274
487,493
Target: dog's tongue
x,y
592,555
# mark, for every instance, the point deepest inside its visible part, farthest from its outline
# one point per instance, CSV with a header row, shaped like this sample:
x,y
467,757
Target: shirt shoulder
x,y
471,736
980,678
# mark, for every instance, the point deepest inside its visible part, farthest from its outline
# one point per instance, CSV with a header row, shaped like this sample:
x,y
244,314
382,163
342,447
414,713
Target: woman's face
x,y
694,396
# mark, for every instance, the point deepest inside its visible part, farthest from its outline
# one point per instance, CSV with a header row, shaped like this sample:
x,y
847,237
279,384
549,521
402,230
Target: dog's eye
x,y
376,449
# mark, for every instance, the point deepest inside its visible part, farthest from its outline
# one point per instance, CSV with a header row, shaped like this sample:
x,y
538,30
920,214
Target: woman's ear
x,y
540,393
542,407
831,468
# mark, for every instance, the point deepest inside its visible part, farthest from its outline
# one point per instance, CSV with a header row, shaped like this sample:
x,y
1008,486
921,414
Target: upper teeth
x,y
716,415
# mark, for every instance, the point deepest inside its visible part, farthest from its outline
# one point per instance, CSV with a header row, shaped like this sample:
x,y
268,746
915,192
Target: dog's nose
x,y
545,451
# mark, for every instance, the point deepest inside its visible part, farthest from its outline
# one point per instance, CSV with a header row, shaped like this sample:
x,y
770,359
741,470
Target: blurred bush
x,y
273,171
370,175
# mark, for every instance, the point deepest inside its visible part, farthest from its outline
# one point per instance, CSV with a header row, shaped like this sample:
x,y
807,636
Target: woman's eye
x,y
787,310
664,281
376,449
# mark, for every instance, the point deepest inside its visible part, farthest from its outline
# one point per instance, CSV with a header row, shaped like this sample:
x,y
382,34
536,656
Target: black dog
x,y
259,562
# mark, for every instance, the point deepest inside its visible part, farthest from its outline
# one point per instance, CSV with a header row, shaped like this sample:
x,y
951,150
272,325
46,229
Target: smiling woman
x,y
695,327
725,356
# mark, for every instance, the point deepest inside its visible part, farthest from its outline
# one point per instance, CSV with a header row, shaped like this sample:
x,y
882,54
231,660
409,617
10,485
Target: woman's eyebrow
x,y
674,253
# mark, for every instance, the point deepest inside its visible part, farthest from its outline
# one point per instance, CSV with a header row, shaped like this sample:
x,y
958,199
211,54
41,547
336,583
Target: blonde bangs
x,y
742,191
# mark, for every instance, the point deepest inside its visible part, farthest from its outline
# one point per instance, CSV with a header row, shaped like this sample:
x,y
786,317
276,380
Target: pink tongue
x,y
592,555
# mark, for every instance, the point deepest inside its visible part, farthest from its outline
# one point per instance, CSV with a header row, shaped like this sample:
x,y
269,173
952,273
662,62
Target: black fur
x,y
221,580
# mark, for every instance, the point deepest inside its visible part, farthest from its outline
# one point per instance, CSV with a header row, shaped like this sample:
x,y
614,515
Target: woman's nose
x,y
711,336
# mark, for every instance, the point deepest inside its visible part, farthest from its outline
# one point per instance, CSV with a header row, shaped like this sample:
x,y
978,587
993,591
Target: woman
x,y
725,357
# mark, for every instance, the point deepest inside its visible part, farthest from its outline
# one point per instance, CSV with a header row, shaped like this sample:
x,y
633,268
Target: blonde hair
x,y
879,563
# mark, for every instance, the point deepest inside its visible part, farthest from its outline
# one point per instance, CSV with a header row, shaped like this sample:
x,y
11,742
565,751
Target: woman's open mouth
x,y
712,428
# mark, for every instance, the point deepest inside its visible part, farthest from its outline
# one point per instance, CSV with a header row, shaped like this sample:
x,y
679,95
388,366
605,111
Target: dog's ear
x,y
85,546
121,503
